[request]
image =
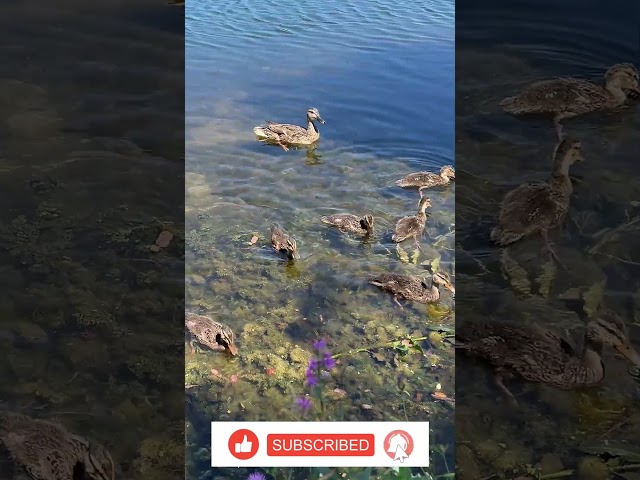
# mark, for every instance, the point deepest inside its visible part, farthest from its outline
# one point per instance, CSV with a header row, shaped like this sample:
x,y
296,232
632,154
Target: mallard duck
x,y
43,450
284,134
284,243
422,180
412,226
538,207
206,331
413,288
350,223
569,97
539,355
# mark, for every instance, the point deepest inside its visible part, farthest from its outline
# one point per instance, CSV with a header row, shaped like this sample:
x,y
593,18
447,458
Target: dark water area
x,y
382,78
91,171
501,47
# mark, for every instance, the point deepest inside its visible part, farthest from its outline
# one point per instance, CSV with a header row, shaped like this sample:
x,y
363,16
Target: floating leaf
x,y
379,356
571,294
415,256
253,240
435,264
366,406
164,239
593,297
402,254
545,279
441,396
154,248
516,275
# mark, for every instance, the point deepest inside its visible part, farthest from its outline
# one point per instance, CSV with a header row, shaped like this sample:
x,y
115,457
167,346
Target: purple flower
x,y
312,378
329,362
313,364
304,404
256,476
320,345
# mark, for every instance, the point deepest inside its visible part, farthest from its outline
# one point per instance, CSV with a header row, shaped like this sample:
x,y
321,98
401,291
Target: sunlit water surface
x,y
382,77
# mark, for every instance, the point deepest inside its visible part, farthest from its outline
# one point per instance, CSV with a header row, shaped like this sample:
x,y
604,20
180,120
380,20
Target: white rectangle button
x,y
319,444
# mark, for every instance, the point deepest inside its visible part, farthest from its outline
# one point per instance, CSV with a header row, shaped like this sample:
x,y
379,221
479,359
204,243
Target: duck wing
x,y
555,96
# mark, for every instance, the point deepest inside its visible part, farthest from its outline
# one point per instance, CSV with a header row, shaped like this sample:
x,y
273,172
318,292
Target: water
x,y
499,49
89,318
382,77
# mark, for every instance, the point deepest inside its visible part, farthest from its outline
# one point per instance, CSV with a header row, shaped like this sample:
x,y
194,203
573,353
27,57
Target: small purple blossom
x,y
256,476
312,378
304,403
328,360
320,345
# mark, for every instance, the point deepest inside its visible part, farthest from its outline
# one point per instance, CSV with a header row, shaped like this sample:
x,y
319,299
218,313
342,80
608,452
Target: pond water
x,y
90,173
500,47
382,78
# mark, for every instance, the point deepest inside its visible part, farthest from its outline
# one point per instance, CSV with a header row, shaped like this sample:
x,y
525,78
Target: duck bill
x,y
630,353
233,350
322,121
451,288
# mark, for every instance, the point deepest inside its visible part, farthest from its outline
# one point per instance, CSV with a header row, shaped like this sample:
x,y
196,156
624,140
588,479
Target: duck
x,y
40,449
537,354
347,222
422,180
284,243
537,207
206,331
414,225
413,288
570,97
287,135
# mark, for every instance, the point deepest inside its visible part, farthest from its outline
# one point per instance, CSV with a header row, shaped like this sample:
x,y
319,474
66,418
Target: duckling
x,y
44,450
422,180
283,243
414,225
539,355
569,97
413,288
285,135
350,223
538,207
206,331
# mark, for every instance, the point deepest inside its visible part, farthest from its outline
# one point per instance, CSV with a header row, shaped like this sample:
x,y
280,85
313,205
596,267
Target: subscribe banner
x,y
320,444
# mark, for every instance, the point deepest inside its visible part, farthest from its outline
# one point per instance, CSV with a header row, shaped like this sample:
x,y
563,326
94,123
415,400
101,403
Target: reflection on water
x,y
90,319
499,50
382,78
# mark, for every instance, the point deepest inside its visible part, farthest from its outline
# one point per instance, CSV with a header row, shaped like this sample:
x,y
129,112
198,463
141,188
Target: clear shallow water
x,y
91,150
383,80
499,50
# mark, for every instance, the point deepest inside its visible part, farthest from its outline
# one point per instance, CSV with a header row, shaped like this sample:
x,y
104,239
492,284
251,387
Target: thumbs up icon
x,y
244,446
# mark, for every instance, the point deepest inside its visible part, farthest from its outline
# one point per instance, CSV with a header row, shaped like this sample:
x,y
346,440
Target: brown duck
x,y
283,243
44,450
539,355
538,207
209,333
422,180
414,225
569,97
413,288
350,223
